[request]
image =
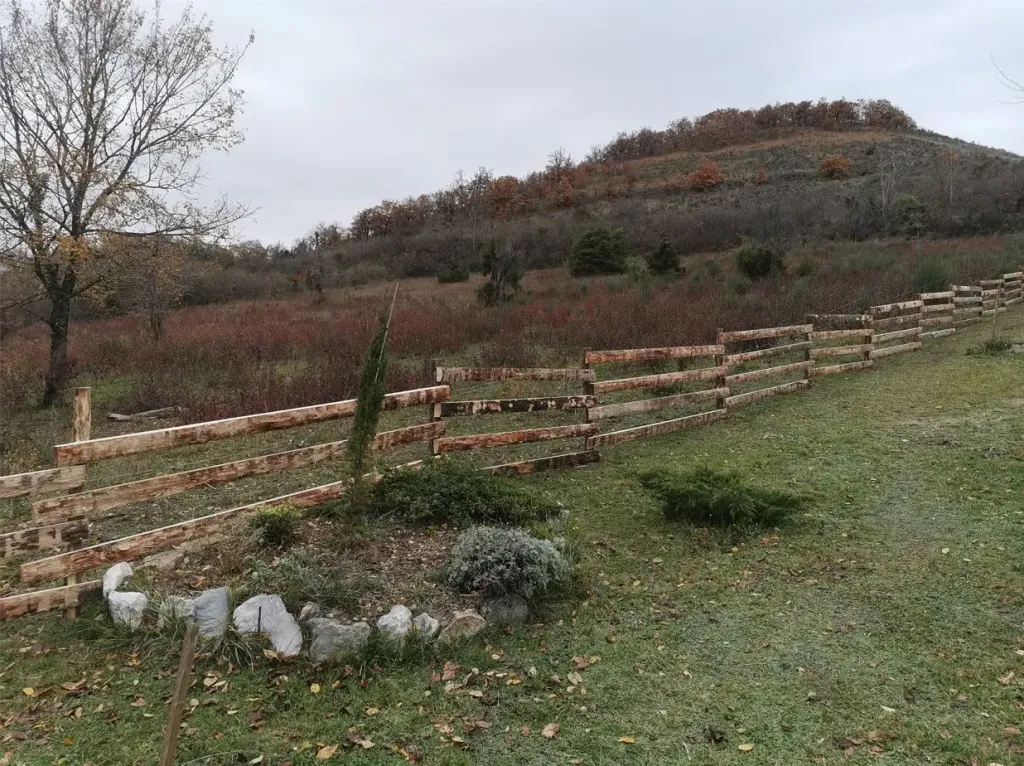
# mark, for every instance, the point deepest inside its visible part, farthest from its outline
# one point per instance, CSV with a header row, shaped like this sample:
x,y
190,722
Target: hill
x,y
827,171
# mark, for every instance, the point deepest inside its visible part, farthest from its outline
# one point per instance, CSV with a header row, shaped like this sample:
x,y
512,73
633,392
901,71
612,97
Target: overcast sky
x,y
352,102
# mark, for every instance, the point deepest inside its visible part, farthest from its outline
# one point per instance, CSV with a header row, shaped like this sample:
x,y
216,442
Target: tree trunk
x,y
59,371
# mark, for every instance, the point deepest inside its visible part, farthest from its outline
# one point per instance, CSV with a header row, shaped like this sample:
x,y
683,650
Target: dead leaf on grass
x,y
326,752
550,731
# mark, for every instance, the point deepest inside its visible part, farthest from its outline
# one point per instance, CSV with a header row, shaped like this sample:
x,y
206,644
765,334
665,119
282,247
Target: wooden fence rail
x,y
803,345
200,433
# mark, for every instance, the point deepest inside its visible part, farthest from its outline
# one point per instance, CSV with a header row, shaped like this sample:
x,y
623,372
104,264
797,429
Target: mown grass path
x,y
886,626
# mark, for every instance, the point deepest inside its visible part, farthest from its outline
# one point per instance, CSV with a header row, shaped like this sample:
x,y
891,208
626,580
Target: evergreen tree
x,y
663,260
599,251
369,401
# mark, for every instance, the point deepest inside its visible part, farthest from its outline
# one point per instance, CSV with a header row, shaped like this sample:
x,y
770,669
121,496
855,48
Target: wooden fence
x,y
897,328
567,402
717,377
709,378
847,337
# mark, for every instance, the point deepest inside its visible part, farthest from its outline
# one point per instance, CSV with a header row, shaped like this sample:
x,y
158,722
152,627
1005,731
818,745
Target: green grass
x,y
884,618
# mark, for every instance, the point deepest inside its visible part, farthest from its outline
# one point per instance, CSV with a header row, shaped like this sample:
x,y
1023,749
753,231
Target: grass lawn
x,y
885,626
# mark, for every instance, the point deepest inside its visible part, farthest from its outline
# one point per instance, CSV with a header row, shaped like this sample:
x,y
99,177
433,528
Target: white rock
x,y
309,611
115,577
465,624
397,623
333,639
211,611
426,625
127,609
267,615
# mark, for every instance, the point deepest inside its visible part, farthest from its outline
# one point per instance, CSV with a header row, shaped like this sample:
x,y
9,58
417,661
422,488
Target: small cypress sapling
x,y
369,401
663,260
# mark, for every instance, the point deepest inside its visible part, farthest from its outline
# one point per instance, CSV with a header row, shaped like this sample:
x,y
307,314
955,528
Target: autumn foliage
x,y
835,166
707,176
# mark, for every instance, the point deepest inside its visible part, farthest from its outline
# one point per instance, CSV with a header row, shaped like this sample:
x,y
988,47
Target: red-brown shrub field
x,y
252,356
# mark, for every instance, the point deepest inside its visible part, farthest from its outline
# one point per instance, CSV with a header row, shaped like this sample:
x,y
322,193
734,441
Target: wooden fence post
x,y
81,431
720,363
188,651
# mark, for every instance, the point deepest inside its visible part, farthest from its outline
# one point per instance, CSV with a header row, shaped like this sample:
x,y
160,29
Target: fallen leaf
x,y
888,709
28,691
139,702
550,731
1007,679
1011,731
945,734
746,748
945,551
326,752
257,759
372,711
314,688
627,740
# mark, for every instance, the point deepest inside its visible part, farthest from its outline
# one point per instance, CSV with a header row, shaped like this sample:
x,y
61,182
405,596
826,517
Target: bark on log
x,y
839,321
970,301
825,351
885,337
656,429
878,353
40,482
841,334
200,433
764,393
939,333
71,532
649,405
936,296
104,499
937,308
900,321
651,354
748,356
834,369
764,332
525,436
885,308
657,381
162,412
64,597
498,374
555,462
127,548
505,406
767,372
936,321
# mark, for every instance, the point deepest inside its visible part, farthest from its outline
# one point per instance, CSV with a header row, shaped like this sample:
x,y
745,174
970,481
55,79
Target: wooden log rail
x,y
200,433
134,546
1013,287
106,499
64,597
651,354
656,429
657,381
896,321
649,405
937,314
499,374
966,304
74,531
512,406
829,322
506,438
42,482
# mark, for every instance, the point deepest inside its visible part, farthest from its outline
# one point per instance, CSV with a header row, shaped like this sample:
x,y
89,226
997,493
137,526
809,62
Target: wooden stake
x,y
181,681
81,430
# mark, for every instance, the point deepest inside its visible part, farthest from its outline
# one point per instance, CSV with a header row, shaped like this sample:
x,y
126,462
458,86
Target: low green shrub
x,y
452,272
276,527
758,260
663,260
500,561
708,497
991,347
450,491
599,251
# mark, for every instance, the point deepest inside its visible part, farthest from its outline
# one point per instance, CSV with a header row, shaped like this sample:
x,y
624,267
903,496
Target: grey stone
x,y
267,615
165,561
332,639
211,611
175,608
309,611
503,611
115,577
426,625
465,624
397,623
127,609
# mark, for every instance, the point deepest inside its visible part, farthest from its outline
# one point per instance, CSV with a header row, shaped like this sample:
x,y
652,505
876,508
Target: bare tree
x,y
104,114
887,190
949,166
